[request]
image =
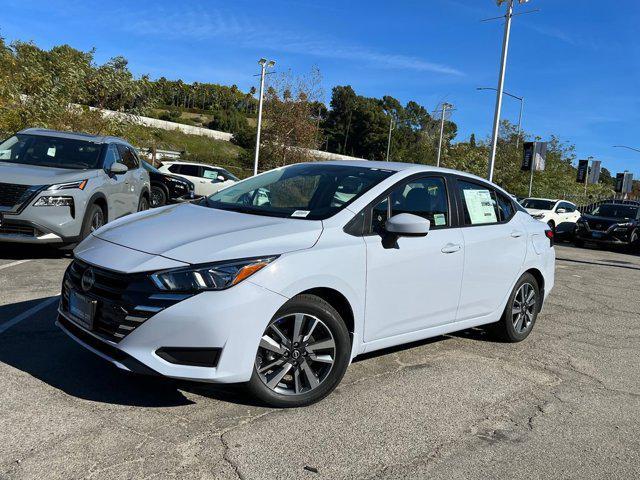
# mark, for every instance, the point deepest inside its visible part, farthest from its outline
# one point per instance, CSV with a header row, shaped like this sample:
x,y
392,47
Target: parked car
x,y
611,224
560,215
206,178
167,188
284,294
58,187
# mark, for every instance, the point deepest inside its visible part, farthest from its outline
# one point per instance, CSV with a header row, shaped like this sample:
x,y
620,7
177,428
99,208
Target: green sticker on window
x,y
439,219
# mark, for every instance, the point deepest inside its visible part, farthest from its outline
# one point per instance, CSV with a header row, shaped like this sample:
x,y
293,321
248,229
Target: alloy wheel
x,y
296,354
524,308
156,198
97,220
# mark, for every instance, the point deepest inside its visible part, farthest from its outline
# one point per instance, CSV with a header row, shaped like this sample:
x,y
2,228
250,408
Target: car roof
x,y
199,164
87,137
546,199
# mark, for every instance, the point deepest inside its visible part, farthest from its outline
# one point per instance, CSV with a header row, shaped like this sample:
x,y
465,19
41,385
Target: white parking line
x,y
13,264
26,314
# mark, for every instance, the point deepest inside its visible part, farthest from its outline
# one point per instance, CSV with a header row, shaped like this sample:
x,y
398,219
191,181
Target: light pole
x,y
264,64
628,148
500,89
389,140
445,106
521,99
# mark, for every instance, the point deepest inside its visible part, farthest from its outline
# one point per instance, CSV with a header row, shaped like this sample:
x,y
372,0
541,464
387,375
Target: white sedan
x,y
560,215
207,179
281,280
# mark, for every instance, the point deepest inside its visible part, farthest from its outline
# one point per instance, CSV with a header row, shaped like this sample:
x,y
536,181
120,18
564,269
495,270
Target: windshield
x,y
50,152
150,168
626,212
537,204
311,191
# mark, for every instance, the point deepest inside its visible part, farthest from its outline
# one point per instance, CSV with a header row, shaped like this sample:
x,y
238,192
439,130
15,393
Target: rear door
x,y
413,283
495,248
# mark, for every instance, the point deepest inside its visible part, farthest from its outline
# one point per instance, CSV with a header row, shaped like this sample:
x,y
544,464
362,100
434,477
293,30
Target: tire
x,y
513,327
143,203
158,197
634,243
94,218
308,375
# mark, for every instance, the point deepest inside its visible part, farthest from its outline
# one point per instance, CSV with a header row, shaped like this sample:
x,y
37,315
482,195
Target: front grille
x,y
598,226
18,229
124,301
11,193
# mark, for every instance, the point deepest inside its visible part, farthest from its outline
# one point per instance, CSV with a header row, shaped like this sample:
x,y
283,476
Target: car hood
x,y
35,175
196,234
607,221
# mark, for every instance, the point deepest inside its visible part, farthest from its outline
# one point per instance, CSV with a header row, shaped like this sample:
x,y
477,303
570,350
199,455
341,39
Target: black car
x,y
610,224
166,188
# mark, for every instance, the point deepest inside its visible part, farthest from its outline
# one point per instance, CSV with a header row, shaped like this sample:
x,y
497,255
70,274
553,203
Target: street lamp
x,y
500,89
445,107
628,148
519,116
264,64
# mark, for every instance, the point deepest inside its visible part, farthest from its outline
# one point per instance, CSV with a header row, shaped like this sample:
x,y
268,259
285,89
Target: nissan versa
x,y
57,187
282,279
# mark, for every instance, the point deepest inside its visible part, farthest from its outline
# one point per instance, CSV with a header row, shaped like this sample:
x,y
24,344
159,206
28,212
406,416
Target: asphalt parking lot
x,y
563,404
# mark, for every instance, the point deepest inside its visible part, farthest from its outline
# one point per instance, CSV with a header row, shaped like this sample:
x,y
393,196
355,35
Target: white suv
x,y
343,259
206,178
560,215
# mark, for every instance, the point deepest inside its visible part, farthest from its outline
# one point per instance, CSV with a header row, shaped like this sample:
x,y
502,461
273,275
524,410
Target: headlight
x,y
214,276
80,184
624,225
54,202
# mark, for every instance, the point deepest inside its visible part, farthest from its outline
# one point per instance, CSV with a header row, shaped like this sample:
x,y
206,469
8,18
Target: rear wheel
x,y
521,312
303,354
158,197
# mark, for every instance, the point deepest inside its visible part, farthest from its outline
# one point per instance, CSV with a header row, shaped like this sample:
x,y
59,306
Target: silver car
x,y
57,187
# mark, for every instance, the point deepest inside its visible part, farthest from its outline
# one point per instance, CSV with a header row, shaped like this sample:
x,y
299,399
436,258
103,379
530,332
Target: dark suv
x,y
167,188
610,224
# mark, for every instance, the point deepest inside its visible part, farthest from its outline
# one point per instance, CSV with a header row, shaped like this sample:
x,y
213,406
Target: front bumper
x,y
605,238
25,231
232,321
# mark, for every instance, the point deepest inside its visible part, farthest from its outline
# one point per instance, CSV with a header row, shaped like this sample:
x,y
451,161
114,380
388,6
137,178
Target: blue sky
x,y
577,62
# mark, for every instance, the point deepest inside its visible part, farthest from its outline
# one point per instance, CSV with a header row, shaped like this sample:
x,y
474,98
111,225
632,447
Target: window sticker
x,y
300,213
439,219
51,152
480,206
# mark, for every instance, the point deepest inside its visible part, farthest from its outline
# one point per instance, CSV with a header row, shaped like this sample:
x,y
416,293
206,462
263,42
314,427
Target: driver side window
x,y
425,197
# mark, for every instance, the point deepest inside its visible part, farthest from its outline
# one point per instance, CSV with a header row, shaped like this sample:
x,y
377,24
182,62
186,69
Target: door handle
x,y
451,248
516,234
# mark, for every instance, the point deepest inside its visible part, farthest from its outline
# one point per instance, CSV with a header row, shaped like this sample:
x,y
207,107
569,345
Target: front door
x,y
413,283
495,248
133,187
116,186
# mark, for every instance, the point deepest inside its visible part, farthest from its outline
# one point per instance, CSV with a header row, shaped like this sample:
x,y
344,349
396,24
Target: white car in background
x,y
560,215
208,179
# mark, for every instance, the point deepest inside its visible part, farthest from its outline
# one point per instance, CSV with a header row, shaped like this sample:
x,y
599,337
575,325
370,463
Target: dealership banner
x,y
594,174
583,171
534,156
624,182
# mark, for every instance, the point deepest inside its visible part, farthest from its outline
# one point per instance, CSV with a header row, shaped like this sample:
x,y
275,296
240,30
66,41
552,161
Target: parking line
x,y
26,314
13,264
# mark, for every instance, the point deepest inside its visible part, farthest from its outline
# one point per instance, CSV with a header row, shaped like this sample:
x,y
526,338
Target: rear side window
x,y
425,197
505,207
479,204
191,170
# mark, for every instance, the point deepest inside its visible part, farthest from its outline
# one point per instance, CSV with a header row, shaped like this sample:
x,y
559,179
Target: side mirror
x,y
221,178
407,225
118,168
561,210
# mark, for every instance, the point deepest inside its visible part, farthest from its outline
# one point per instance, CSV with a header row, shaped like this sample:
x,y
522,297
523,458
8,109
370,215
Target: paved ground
x,y
563,404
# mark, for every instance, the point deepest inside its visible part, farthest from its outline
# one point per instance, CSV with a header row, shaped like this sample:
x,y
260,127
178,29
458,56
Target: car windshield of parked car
x,y
304,191
150,168
47,151
625,212
538,204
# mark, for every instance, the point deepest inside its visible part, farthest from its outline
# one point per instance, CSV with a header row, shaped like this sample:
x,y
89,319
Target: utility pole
x,y
389,140
445,106
500,89
264,64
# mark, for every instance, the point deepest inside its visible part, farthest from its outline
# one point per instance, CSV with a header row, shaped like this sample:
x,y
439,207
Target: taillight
x,y
549,235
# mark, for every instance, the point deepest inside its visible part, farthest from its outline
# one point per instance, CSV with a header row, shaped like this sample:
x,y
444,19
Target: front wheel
x,y
93,220
303,354
521,312
158,197
143,204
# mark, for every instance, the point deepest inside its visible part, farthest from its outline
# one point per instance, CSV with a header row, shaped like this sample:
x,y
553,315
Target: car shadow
x,y
38,348
16,251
